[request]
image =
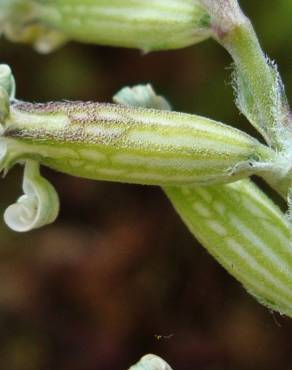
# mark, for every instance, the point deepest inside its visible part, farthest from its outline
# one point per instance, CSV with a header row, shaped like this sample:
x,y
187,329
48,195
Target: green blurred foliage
x,y
118,275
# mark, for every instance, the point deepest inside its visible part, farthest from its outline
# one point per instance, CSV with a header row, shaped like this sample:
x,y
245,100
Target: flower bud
x,y
147,25
222,218
127,144
244,230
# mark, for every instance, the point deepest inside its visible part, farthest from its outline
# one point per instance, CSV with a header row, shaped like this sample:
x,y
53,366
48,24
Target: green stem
x,y
260,92
260,79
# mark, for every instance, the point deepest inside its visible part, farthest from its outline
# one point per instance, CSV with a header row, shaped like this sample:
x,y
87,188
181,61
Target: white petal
x,y
151,362
38,206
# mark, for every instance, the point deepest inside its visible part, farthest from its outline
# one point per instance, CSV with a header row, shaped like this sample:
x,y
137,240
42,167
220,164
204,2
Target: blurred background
x,y
118,275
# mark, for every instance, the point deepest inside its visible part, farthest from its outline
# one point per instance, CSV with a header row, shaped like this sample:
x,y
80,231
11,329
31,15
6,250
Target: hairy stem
x,y
260,92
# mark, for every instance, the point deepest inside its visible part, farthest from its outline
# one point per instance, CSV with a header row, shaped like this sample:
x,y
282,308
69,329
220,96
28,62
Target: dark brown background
x,y
118,275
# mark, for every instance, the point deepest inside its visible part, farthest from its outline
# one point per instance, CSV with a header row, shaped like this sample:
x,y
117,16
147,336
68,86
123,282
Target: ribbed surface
x,y
111,142
246,233
151,24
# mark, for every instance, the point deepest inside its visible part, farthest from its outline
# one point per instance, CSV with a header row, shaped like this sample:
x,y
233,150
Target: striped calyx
x,y
222,218
246,233
135,145
148,25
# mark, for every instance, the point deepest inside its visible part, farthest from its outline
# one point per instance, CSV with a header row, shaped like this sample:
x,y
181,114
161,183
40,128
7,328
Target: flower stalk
x,y
260,93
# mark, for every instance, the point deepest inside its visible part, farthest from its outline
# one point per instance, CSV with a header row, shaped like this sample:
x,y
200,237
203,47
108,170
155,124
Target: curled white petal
x,y
142,96
151,362
38,206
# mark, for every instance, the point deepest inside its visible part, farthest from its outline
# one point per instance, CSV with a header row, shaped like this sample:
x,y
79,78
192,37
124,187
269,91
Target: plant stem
x,y
260,85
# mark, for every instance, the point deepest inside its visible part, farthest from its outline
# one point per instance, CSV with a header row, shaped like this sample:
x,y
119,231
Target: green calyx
x,y
125,143
128,144
151,25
